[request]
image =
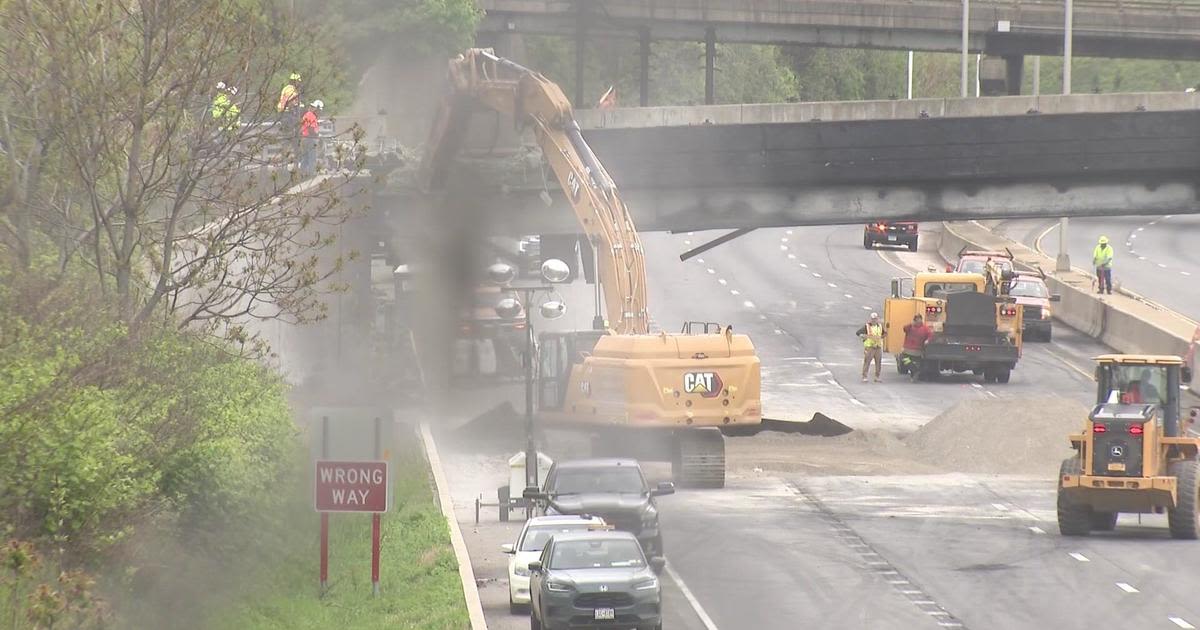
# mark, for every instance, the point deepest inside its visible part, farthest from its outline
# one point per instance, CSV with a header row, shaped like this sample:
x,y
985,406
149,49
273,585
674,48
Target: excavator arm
x,y
479,77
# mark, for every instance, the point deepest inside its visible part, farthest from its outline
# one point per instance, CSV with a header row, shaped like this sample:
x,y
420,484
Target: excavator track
x,y
698,458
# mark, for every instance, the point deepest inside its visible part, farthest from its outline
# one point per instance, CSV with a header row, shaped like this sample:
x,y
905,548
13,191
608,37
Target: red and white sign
x,y
351,486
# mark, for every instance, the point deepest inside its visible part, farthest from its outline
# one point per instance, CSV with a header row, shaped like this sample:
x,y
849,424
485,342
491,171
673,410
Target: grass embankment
x,y
418,576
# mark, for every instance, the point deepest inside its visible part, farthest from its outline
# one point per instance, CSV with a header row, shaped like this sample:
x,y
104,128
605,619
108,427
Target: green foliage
x,y
422,28
419,580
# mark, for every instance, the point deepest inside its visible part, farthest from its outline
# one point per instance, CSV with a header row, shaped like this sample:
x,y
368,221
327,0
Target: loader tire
x,y
1183,519
1104,521
1073,519
1003,375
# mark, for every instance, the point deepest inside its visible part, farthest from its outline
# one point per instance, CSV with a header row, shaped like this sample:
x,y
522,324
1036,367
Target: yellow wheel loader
x,y
1135,454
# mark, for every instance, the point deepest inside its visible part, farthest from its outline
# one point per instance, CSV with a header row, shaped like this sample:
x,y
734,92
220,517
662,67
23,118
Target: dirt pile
x,y
1012,436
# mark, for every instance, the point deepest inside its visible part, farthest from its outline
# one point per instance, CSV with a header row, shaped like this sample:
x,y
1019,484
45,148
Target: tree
x,y
166,203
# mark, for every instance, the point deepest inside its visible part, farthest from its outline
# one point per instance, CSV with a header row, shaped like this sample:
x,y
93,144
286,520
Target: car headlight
x,y
521,571
646,585
1045,313
558,587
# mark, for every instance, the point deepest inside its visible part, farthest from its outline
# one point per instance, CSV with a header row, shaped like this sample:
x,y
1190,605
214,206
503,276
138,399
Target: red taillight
x,y
1136,429
1099,428
933,309
1009,311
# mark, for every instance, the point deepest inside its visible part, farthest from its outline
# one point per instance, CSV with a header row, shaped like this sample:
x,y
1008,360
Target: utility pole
x,y
1063,262
910,74
966,41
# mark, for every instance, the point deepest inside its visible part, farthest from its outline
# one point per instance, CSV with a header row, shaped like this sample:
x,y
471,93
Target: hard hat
x,y
233,90
874,315
319,104
1104,240
295,77
220,85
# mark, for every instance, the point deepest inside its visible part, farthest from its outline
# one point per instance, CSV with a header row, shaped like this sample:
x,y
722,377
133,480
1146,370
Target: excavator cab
x,y
558,353
1135,453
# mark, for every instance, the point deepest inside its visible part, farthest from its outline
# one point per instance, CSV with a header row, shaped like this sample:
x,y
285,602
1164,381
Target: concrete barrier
x,y
1123,322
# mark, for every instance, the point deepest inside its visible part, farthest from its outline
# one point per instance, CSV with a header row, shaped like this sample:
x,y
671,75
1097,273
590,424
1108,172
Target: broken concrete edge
x,y
1122,322
465,571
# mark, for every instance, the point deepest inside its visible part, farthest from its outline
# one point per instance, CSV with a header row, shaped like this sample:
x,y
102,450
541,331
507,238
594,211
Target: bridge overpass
x,y
739,166
1009,29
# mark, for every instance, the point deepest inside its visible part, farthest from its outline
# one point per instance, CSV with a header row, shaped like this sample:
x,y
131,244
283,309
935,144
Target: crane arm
x,y
480,77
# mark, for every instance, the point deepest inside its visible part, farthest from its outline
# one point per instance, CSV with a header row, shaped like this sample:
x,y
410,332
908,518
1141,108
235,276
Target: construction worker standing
x,y
871,334
309,126
289,96
225,113
1102,260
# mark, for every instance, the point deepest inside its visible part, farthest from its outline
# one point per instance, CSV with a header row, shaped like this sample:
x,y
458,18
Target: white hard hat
x,y
319,104
220,85
874,315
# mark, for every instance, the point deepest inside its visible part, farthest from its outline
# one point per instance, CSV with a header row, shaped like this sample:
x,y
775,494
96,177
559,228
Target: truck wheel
x,y
1003,375
1049,336
1183,518
1073,519
867,242
989,376
912,247
1103,521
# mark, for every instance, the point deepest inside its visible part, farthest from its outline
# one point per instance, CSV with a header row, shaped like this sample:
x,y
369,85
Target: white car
x,y
529,546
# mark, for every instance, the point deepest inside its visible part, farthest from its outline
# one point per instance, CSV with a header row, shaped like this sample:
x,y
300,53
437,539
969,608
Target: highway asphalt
x,y
1155,257
887,552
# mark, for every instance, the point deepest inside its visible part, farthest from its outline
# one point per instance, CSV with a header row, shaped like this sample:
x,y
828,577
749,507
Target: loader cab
x,y
1143,380
558,352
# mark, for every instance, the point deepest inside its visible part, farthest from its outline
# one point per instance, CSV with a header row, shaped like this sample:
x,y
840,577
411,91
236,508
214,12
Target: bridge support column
x,y
710,62
1063,261
644,73
1014,73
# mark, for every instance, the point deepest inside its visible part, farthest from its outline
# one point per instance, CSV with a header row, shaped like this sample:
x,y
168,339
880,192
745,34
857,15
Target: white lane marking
x,y
691,599
950,624
1162,266
831,285
1133,236
1078,556
848,296
799,358
691,233
866,308
858,402
1126,587
687,242
711,270
831,382
897,581
700,260
976,385
1140,229
816,275
1179,621
1186,273
748,304
1037,530
804,266
783,248
789,232
923,602
910,592
778,331
783,239
734,292
1000,506
1068,363
990,393
721,281
791,257
937,613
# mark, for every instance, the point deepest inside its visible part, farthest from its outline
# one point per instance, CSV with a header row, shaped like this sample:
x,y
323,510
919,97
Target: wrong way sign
x,y
346,486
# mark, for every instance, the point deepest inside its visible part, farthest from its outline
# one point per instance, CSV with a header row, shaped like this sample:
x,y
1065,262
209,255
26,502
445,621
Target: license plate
x,y
891,237
603,614
1116,467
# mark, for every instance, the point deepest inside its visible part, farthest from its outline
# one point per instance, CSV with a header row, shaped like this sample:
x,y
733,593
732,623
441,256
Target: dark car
x,y
594,579
901,233
613,489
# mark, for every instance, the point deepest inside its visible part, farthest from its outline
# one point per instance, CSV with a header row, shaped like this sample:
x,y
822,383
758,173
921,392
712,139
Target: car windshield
x,y
1139,384
597,554
1028,288
623,479
536,537
976,266
942,289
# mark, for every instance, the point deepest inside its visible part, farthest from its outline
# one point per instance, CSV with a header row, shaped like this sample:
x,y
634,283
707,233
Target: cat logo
x,y
707,384
574,185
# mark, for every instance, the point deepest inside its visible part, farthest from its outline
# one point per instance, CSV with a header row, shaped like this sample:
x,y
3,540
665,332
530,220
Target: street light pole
x,y
531,471
910,74
1063,262
966,35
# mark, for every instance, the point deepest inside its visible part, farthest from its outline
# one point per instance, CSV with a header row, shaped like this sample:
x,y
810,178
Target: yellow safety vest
x,y
874,336
1102,256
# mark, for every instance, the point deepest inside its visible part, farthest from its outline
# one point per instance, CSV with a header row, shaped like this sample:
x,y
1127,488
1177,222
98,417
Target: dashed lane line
x,y
1179,621
1126,587
691,599
1037,530
1078,556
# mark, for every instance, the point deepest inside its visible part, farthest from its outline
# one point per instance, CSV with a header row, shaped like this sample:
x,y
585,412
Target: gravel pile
x,y
1010,436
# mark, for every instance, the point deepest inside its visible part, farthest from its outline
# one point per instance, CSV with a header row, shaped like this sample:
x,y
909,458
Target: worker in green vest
x,y
1102,260
871,334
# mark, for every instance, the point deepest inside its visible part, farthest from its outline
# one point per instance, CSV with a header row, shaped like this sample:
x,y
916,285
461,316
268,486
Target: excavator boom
x,y
480,77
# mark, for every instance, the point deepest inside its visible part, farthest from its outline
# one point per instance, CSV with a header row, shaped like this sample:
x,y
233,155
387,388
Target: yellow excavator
x,y
680,392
